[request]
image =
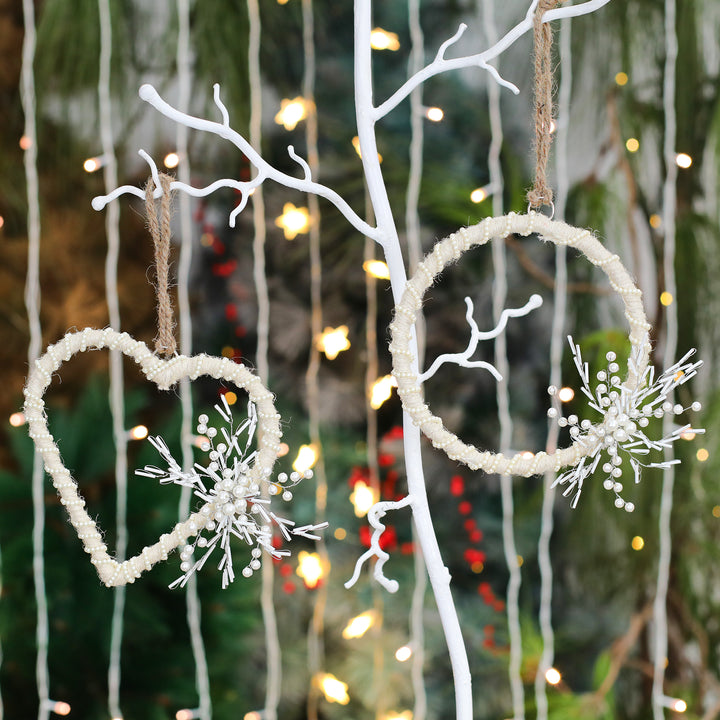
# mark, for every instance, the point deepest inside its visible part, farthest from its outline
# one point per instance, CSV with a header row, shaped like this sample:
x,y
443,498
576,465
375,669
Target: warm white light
x,y
553,676
383,40
363,497
702,454
404,653
666,298
356,145
478,195
310,568
381,390
359,625
171,160
253,714
638,543
60,708
621,78
292,112
2,221
434,114
334,690
293,221
139,432
405,715
92,164
683,160
25,142
688,434
632,144
566,394
377,268
333,341
553,126
17,419
679,706
527,455
307,456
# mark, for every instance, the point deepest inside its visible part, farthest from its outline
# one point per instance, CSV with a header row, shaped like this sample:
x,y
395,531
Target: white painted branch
x,y
440,64
377,511
265,171
463,358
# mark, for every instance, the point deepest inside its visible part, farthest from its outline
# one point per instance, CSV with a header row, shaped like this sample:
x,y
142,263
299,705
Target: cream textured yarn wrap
x,y
164,373
408,310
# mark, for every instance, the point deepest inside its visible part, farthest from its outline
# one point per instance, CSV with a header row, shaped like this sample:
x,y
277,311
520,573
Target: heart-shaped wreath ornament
x,y
165,374
625,405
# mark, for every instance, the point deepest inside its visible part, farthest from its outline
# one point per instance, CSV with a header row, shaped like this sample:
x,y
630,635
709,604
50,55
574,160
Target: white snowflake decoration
x,y
234,501
621,434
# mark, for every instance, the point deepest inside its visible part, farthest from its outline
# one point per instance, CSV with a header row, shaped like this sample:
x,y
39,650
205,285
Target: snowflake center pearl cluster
x,y
234,501
621,435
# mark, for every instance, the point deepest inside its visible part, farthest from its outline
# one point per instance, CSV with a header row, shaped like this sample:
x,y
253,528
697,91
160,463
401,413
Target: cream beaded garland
x,y
165,374
408,309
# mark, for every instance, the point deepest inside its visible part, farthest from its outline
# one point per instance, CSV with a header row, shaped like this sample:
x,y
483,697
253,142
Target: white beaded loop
x,y
408,310
164,373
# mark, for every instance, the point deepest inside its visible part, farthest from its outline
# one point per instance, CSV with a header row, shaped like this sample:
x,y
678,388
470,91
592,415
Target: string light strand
x,y
272,641
666,499
557,341
117,382
502,391
32,305
412,224
193,610
316,649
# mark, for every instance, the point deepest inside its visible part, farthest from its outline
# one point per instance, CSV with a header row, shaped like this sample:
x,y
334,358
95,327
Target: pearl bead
x,y
287,495
608,484
255,564
247,572
203,419
619,502
552,413
696,406
629,507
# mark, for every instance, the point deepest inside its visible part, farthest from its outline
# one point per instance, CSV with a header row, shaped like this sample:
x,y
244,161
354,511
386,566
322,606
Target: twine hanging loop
x,y
159,224
541,193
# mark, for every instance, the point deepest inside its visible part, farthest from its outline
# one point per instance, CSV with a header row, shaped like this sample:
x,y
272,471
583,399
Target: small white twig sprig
x,y
235,504
626,414
376,512
463,358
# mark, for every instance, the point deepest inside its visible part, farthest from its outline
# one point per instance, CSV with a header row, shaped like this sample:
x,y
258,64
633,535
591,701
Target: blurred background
x,y
605,561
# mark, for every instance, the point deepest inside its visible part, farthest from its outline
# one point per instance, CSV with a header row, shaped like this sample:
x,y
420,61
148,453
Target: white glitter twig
x,y
376,512
476,335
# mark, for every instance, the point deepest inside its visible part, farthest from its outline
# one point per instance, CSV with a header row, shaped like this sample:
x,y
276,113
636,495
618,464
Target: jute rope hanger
x,y
541,193
159,224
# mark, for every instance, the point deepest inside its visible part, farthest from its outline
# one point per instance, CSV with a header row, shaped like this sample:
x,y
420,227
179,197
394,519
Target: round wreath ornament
x,y
626,405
